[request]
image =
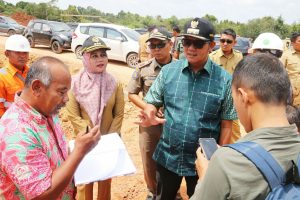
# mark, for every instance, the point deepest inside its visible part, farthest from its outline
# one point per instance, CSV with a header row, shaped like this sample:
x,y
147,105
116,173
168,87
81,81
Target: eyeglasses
x,y
159,46
226,40
198,44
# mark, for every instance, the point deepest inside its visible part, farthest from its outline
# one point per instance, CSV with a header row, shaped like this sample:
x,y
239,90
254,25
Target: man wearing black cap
x,y
196,95
142,79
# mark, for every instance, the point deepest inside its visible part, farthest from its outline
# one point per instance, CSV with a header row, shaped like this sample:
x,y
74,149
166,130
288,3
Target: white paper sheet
x,y
108,159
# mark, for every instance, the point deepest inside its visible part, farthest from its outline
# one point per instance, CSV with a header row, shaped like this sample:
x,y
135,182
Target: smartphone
x,y
208,146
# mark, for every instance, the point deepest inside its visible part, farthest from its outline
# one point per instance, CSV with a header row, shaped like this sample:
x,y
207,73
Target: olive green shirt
x,y
143,76
112,116
228,63
230,175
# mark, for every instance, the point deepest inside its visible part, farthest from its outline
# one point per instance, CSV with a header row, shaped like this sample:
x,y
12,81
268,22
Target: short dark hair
x,y
293,115
176,28
265,75
229,31
294,36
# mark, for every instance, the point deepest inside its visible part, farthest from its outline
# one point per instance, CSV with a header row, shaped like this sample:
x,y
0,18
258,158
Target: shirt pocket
x,y
148,82
211,103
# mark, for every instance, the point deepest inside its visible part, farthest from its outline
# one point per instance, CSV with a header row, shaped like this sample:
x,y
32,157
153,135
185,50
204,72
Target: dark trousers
x,y
168,183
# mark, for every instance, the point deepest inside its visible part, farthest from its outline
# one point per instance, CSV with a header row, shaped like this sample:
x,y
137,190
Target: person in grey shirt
x,y
260,89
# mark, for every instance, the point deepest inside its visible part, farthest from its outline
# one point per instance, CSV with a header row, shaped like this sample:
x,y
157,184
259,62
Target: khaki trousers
x,y
148,139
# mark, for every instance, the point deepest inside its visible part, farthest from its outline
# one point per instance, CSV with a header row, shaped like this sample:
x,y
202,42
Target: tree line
x,y
73,13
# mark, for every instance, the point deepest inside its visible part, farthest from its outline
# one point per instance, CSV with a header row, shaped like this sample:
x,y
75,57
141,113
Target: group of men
x,y
183,100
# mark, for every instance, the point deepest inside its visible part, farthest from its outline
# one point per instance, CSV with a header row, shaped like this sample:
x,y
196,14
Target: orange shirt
x,y
10,82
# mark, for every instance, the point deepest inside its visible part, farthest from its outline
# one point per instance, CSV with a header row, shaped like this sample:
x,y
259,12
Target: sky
x,y
234,10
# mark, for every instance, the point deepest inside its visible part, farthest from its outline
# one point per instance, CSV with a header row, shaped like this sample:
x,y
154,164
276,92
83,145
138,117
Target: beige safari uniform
x,y
141,81
291,61
229,64
143,51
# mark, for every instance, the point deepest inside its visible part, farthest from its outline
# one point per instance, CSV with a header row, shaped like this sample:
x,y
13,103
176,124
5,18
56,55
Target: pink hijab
x,y
92,91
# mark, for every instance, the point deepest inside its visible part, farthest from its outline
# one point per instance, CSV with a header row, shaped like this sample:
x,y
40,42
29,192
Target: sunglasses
x,y
226,40
198,44
158,46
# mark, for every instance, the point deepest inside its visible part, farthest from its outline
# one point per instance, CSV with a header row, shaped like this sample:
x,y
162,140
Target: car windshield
x,y
59,27
132,34
10,20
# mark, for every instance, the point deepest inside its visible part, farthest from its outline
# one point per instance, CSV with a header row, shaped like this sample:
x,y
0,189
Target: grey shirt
x,y
230,175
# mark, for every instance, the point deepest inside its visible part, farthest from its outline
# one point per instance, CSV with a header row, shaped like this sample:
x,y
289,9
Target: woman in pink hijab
x,y
95,98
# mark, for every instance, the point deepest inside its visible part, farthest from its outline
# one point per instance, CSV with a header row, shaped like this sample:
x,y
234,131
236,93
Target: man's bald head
x,y
46,69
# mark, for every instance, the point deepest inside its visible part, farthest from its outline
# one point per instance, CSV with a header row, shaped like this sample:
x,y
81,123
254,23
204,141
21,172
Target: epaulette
x,y
144,64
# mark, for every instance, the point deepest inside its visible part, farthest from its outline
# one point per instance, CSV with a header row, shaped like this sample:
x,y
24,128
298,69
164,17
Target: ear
x,y
234,42
244,95
6,53
37,87
212,45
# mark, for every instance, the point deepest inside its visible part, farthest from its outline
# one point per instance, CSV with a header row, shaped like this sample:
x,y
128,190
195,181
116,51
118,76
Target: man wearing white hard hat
x,y
268,43
12,76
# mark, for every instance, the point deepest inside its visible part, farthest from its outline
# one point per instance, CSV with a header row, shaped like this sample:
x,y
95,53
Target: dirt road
x,y
129,187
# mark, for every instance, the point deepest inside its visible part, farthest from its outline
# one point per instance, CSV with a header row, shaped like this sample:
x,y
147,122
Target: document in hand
x,y
106,160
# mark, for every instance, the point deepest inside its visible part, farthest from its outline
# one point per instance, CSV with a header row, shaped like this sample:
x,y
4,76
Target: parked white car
x,y
122,40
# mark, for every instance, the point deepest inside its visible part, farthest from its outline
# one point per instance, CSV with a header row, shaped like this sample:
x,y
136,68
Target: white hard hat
x,y
17,43
268,41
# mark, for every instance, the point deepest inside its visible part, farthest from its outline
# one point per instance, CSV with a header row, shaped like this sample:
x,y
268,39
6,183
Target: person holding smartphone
x,y
260,90
196,96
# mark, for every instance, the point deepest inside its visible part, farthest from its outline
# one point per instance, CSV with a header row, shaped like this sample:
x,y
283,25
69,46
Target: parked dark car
x,y
10,26
141,30
242,44
56,35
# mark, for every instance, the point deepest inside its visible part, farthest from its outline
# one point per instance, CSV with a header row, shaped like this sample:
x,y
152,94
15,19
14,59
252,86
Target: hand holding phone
x,y
208,146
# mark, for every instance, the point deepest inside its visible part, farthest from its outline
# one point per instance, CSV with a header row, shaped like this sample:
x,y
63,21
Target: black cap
x,y
200,28
160,34
93,43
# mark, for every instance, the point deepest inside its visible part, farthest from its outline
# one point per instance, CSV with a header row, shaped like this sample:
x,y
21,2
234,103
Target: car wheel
x,y
31,42
132,60
78,52
11,32
56,48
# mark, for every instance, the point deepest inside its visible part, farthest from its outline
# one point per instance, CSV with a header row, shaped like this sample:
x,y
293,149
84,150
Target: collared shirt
x,y
228,63
230,175
10,82
32,147
143,77
194,106
291,61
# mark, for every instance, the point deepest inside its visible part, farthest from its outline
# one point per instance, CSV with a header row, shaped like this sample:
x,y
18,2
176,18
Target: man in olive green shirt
x,y
291,61
228,58
230,175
